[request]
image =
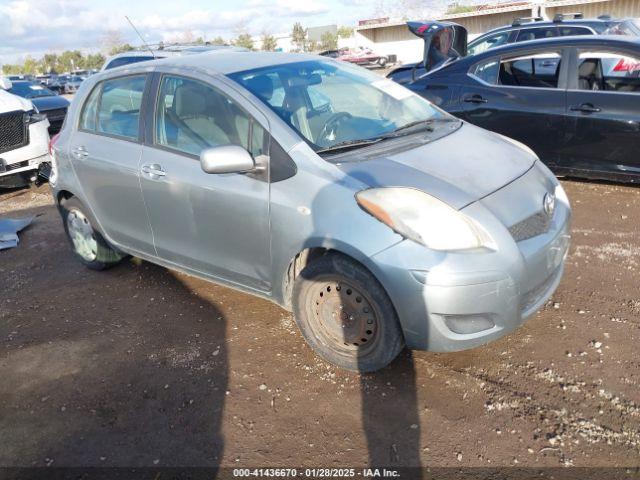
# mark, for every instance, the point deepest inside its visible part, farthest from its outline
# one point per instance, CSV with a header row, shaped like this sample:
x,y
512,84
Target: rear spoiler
x,y
434,36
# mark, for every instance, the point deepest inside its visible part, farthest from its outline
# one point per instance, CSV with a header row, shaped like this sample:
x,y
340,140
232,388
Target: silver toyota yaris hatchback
x,y
377,218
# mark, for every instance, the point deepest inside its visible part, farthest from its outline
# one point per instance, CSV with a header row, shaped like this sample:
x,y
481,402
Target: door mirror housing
x,y
5,83
226,159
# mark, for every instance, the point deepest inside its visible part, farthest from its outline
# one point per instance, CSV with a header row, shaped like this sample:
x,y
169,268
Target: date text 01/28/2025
x,y
316,472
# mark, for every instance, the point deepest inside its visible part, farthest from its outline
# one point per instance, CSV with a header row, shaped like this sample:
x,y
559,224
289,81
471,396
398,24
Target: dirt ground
x,y
142,366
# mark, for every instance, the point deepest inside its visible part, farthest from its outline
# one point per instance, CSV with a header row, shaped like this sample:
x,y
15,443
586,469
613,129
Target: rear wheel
x,y
87,243
345,315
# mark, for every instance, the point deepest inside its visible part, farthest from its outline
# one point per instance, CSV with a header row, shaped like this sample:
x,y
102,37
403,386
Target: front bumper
x,y
455,301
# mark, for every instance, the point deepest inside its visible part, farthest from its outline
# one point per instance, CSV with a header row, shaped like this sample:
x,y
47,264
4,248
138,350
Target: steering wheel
x,y
330,125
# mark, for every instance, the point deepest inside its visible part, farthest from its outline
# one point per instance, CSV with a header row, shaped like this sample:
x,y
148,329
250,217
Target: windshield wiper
x,y
350,144
427,124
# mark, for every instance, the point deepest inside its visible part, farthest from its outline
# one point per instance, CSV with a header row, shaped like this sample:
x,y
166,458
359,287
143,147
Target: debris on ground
x,y
9,228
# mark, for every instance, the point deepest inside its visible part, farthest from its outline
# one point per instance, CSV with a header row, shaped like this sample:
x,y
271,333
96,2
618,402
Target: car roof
x,y
576,22
226,61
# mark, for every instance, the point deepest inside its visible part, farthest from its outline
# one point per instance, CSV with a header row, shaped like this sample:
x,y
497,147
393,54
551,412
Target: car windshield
x,y
332,104
629,27
30,90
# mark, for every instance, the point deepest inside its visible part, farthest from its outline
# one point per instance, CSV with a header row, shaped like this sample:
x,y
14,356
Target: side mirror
x,y
5,83
226,159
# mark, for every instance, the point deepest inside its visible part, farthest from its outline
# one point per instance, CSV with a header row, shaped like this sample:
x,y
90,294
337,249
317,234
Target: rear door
x,y
603,108
105,153
522,96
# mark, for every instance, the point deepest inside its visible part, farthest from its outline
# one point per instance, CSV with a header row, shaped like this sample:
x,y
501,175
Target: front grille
x,y
533,296
14,131
530,227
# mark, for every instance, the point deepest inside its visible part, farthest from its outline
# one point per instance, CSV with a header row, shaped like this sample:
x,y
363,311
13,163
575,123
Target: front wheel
x,y
345,314
87,243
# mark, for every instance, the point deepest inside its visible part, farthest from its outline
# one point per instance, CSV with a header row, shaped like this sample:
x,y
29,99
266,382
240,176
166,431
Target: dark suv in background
x,y
562,25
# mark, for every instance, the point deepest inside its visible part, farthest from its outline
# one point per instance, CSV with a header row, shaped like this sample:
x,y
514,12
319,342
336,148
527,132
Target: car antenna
x,y
141,38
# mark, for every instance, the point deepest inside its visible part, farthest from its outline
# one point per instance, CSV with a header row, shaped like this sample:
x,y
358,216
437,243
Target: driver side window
x,y
192,116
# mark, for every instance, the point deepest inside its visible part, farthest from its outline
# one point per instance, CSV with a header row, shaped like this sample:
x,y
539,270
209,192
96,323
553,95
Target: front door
x,y
603,108
105,153
214,224
521,97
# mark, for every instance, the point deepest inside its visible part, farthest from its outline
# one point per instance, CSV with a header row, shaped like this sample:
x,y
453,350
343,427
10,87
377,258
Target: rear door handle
x,y
586,108
475,99
153,170
80,153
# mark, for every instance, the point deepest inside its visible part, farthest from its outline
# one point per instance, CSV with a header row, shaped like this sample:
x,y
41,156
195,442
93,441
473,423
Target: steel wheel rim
x,y
82,235
345,316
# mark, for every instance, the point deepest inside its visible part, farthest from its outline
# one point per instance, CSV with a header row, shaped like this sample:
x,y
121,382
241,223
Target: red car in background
x,y
365,57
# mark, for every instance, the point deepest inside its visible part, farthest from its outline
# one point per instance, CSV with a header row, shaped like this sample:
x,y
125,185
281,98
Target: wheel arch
x,y
312,251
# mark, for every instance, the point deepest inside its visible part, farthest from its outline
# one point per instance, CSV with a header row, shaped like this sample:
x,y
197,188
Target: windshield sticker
x,y
393,89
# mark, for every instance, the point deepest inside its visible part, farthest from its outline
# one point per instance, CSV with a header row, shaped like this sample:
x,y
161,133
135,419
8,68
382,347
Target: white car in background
x,y
24,139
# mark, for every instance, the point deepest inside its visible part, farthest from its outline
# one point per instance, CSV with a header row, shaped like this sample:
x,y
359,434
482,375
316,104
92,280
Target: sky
x,y
35,27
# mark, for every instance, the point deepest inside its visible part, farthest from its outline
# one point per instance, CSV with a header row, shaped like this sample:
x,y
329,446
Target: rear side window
x,y
487,71
119,108
567,31
608,71
540,70
89,110
535,33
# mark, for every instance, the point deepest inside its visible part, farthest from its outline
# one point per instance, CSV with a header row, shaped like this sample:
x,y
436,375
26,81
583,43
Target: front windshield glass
x,y
30,90
330,103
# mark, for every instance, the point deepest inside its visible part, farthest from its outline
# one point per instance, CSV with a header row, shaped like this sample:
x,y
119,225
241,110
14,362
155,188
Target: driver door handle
x,y
475,99
153,170
586,108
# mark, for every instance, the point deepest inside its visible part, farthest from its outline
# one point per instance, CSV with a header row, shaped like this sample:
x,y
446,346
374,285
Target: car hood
x,y
458,168
50,103
10,102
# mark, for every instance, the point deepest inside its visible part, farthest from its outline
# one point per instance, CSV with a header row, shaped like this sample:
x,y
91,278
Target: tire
x,y
345,315
382,61
87,244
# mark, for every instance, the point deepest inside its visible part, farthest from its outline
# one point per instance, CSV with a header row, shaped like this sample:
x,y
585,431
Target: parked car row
x,y
574,100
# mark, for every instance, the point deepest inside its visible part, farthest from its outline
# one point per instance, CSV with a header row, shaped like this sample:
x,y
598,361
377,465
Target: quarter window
x,y
88,115
487,71
119,110
567,31
608,71
192,116
535,33
540,70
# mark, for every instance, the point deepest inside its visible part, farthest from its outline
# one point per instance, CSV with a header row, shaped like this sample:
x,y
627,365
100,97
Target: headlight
x,y
424,219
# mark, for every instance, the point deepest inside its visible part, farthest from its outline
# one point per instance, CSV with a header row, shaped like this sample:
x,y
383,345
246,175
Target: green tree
x,y
244,40
345,32
299,37
11,69
328,41
269,42
94,61
218,41
125,47
70,60
30,66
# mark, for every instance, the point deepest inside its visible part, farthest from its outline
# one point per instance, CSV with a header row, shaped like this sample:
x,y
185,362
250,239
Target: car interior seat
x,y
194,119
590,75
